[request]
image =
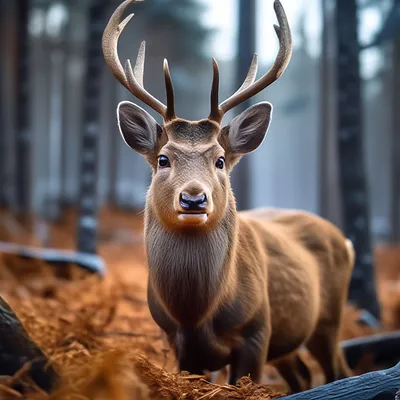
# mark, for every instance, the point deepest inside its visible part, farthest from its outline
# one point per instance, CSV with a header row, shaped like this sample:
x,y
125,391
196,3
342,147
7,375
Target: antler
x,y
132,79
250,87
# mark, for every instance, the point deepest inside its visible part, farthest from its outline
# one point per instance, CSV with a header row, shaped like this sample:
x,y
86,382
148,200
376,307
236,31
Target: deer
x,y
230,288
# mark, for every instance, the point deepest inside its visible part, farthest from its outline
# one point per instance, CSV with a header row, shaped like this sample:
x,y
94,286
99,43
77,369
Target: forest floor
x,y
99,333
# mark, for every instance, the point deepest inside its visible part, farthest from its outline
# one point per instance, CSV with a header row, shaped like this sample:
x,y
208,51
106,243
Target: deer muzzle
x,y
194,206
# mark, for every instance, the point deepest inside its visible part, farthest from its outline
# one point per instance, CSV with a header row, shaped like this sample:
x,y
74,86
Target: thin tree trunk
x,y
3,133
3,158
329,187
324,119
23,133
350,141
241,176
114,141
57,58
396,143
87,229
113,166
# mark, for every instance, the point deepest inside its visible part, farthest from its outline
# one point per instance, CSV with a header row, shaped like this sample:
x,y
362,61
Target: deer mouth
x,y
193,217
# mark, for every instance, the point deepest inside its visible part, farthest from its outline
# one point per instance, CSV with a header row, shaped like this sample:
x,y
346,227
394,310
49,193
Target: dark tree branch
x,y
380,385
90,262
17,348
384,347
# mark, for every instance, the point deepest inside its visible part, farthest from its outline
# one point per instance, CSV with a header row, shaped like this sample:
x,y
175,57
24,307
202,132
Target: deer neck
x,y
188,271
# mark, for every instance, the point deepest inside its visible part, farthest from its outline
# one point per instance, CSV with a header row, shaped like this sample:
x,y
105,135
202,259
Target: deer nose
x,y
193,203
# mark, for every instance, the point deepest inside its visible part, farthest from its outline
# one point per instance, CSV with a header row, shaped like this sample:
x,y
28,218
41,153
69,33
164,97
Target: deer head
x,y
191,161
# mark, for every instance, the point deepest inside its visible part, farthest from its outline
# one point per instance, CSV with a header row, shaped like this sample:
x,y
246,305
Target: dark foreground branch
x,y
380,385
17,349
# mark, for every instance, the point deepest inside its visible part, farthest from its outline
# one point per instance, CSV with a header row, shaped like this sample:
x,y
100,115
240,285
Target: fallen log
x,y
378,385
384,347
90,262
17,349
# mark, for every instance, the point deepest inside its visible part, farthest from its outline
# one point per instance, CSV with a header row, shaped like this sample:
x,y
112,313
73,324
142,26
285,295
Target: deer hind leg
x,y
295,372
324,342
324,346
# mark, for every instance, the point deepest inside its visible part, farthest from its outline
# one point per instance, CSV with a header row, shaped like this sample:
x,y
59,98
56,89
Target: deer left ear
x,y
138,128
247,131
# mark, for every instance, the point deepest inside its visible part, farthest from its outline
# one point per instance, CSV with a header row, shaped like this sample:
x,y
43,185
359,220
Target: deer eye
x,y
220,163
163,162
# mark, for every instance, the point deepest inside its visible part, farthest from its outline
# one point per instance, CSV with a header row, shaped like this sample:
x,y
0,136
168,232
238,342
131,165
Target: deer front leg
x,y
250,358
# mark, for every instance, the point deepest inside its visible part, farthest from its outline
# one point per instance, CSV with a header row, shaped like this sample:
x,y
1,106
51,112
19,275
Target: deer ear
x,y
247,130
138,128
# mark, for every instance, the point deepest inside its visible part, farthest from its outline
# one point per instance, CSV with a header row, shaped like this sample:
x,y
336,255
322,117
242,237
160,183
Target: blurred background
x,y
333,147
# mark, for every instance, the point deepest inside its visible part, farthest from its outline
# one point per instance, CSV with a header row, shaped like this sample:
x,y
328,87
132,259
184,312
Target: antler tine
x,y
215,113
282,60
170,114
141,93
110,41
131,79
139,65
251,75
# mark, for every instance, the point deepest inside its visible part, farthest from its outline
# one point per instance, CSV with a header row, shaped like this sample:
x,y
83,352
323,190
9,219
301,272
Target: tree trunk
x,y
114,142
3,158
23,135
87,229
350,145
241,175
57,72
396,142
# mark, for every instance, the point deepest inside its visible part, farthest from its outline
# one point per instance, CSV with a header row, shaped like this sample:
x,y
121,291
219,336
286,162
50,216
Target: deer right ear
x,y
247,130
138,128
